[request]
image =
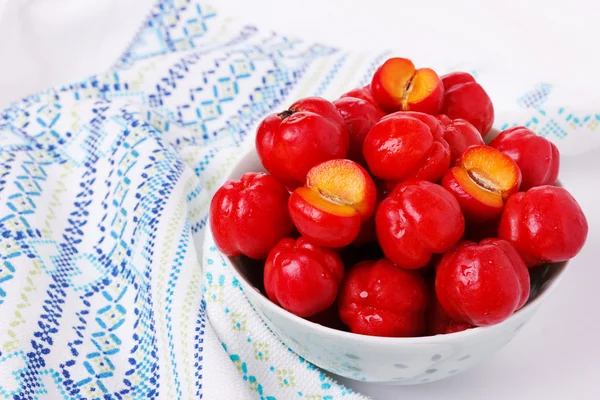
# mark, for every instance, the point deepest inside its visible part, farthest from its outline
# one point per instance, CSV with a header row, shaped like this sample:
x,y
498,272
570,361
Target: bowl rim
x,y
530,306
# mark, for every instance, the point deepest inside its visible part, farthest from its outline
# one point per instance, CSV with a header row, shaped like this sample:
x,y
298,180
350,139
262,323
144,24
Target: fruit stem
x,y
284,114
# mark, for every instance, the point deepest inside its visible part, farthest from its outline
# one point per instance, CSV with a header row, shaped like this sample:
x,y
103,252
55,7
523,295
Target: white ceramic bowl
x,y
402,361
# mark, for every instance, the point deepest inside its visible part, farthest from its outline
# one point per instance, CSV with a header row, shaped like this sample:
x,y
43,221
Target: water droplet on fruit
x,y
373,318
363,294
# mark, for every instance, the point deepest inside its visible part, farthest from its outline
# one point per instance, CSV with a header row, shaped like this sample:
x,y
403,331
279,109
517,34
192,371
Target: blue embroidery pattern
x,y
104,188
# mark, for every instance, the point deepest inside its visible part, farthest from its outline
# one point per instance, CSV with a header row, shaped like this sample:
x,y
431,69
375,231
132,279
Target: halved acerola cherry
x,y
398,86
482,181
337,197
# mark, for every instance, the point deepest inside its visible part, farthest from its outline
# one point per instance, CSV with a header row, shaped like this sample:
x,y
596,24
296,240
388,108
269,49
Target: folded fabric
x,y
104,191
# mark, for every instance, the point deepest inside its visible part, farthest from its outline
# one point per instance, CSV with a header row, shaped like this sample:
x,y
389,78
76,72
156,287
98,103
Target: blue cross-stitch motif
x,y
92,176
101,152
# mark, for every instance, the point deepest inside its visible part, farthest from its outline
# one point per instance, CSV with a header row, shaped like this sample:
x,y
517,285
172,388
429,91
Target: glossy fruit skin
x,y
368,232
250,216
545,225
360,116
378,298
407,145
363,93
302,277
309,132
416,220
460,135
482,284
537,157
390,102
466,99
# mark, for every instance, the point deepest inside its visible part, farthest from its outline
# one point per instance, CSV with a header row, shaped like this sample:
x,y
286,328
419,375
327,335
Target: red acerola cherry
x,y
407,145
380,299
482,284
363,93
460,135
250,216
537,157
301,277
416,220
545,224
290,143
360,115
464,98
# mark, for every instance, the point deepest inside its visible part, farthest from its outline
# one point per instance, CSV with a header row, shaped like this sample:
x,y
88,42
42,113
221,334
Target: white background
x,y
557,355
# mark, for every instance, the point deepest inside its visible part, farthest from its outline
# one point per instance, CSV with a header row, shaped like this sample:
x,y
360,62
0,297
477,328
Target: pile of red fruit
x,y
406,222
